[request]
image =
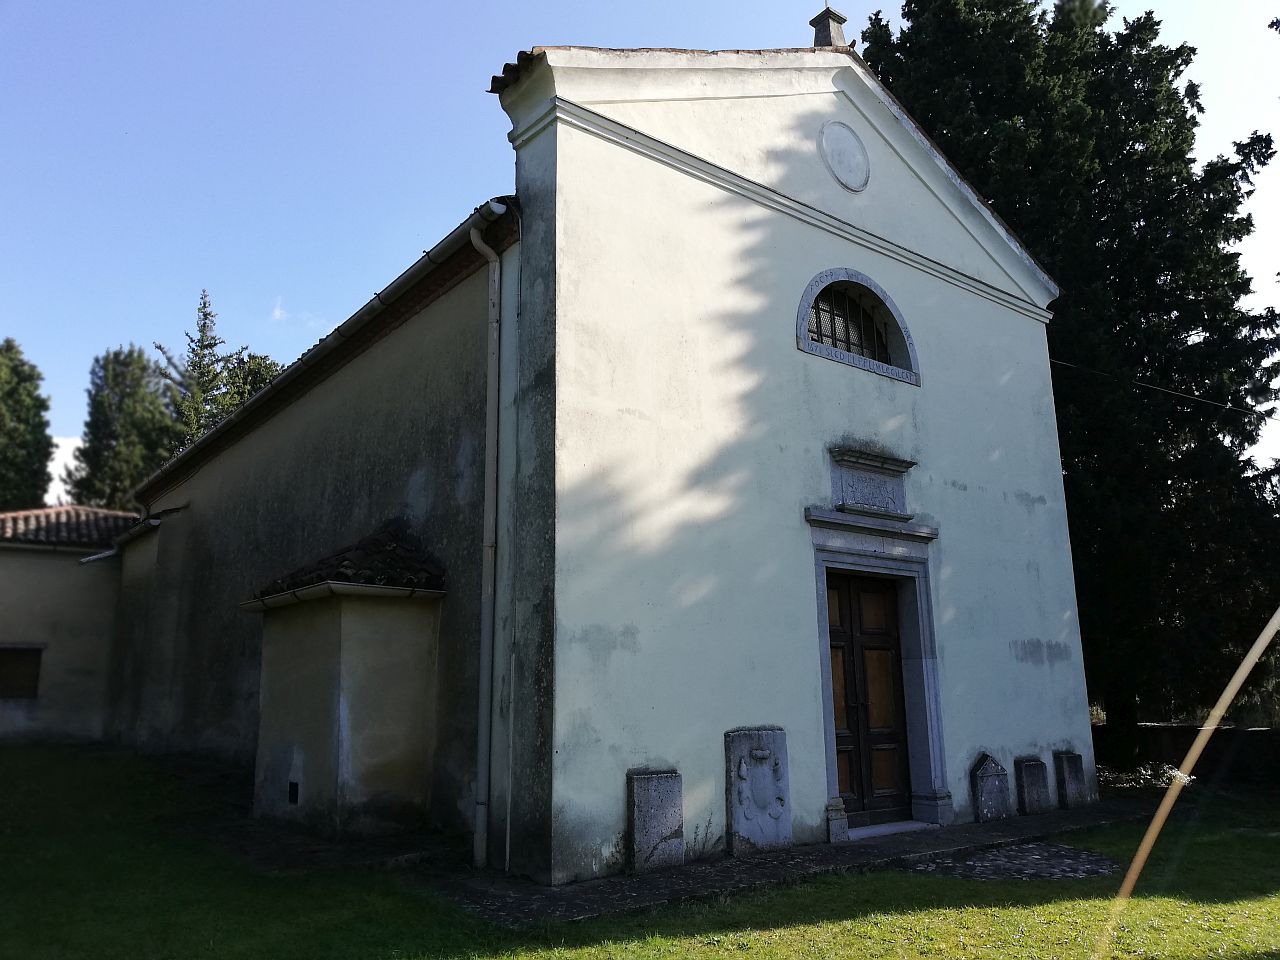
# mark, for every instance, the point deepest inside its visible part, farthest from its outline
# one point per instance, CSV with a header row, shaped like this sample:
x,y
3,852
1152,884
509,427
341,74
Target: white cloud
x,y
63,450
305,319
1268,447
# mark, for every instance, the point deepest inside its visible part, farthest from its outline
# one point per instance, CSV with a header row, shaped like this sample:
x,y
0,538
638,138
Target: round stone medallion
x,y
844,155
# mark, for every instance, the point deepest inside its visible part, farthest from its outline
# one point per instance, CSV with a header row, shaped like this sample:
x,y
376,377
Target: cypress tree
x,y
129,433
25,443
1083,137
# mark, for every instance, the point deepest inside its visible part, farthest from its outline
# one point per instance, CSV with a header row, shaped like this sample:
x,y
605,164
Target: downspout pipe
x,y
488,575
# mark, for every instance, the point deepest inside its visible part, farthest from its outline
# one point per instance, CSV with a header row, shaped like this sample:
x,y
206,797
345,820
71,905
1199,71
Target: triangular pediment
x,y
813,126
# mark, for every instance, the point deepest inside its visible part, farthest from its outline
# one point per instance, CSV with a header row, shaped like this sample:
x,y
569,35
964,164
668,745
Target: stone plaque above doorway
x,y
869,483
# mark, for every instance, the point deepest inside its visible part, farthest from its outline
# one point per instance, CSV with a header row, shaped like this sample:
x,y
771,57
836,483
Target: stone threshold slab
x,y
520,904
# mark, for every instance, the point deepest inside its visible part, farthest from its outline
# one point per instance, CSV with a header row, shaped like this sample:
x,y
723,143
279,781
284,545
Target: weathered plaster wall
x,y
298,732
48,599
348,696
397,432
387,709
524,642
691,433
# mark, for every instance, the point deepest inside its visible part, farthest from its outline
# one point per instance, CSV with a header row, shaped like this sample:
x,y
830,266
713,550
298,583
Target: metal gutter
x,y
334,588
146,525
487,213
50,547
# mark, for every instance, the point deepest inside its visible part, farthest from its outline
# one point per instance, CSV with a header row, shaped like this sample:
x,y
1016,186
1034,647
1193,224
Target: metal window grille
x,y
850,318
19,673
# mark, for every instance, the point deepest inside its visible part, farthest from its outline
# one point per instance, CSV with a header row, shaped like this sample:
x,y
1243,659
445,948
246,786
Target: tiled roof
x,y
392,557
65,526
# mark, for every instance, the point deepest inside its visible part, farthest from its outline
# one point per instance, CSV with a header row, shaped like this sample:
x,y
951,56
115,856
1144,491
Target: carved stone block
x,y
1033,786
869,483
837,821
990,783
1073,789
757,790
655,820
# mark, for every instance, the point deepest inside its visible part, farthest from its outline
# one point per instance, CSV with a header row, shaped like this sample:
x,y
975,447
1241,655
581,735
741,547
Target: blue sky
x,y
294,157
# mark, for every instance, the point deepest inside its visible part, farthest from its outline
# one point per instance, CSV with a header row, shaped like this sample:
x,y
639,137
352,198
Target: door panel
x,y
882,705
867,702
839,698
872,608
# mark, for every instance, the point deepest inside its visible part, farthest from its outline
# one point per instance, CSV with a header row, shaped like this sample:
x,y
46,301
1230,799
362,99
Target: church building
x,y
703,496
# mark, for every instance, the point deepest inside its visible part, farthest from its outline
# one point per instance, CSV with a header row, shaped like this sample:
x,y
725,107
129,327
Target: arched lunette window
x,y
846,316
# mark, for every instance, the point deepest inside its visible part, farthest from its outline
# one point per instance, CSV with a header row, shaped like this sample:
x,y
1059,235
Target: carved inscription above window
x,y
869,483
846,316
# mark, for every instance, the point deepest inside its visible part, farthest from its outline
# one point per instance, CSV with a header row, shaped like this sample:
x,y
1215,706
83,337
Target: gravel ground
x,y
1025,861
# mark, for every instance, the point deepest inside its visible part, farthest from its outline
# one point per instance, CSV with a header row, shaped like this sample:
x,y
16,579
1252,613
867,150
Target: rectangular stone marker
x,y
837,821
1073,790
757,790
990,783
655,820
1033,786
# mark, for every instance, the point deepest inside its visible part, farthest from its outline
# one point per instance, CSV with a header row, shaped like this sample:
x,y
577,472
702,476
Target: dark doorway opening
x,y
867,700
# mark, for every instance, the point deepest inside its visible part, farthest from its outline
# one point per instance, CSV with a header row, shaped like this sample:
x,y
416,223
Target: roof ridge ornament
x,y
828,29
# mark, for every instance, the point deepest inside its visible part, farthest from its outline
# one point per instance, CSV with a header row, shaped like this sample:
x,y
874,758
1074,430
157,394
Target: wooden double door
x,y
867,700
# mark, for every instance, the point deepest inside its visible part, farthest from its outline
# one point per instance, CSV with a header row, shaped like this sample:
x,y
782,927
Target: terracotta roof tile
x,y
69,526
391,557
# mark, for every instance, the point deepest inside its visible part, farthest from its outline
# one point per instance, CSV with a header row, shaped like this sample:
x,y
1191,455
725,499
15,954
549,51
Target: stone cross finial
x,y
828,29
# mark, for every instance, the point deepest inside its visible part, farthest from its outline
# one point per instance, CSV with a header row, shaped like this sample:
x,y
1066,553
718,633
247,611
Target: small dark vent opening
x,y
20,673
293,792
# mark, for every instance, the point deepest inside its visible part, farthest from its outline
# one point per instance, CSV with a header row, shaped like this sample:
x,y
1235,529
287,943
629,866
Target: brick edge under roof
x,y
65,526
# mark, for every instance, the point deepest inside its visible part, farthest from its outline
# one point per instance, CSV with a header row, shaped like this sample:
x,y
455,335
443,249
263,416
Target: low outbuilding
x,y
56,616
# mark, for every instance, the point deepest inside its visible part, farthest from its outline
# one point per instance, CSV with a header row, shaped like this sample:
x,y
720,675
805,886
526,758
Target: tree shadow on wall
x,y
681,537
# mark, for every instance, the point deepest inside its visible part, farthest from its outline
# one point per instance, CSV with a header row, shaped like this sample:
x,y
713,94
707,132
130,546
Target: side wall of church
x,y
398,432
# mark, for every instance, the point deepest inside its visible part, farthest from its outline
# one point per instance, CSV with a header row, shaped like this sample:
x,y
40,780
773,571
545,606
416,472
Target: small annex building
x,y
702,496
56,620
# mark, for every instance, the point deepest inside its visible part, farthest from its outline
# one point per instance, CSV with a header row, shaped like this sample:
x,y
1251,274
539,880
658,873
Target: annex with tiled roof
x,y
69,526
391,557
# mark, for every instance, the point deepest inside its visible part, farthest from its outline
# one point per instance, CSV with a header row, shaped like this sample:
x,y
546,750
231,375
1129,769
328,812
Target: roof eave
x,y
513,73
488,212
52,547
334,588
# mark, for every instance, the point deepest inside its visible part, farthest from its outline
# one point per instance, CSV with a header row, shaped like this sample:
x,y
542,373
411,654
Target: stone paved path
x,y
1023,861
517,903
980,850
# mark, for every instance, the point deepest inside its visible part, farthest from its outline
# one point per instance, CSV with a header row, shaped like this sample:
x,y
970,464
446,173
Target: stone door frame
x,y
899,550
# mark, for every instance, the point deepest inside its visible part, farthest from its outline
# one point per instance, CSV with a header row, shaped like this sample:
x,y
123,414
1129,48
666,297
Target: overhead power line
x,y
1273,415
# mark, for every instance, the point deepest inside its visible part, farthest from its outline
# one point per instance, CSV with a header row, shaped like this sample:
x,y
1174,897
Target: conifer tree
x,y
209,383
129,433
1082,134
246,373
25,443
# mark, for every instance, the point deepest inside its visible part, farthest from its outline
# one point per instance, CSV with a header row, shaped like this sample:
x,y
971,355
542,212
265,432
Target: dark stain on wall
x,y
1039,652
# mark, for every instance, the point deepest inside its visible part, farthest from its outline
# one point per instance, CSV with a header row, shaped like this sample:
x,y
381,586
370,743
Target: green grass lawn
x,y
91,866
